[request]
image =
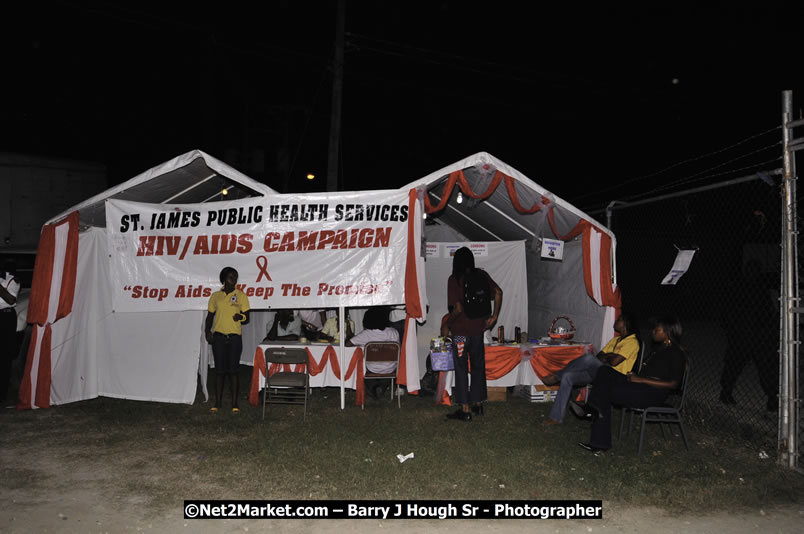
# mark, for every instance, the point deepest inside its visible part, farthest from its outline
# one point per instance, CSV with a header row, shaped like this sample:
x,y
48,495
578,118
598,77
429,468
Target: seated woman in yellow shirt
x,y
620,353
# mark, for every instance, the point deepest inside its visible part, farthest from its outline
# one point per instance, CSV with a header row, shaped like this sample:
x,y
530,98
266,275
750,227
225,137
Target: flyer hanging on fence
x,y
680,266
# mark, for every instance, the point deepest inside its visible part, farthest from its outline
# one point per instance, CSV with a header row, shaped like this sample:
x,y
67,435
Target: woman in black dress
x,y
661,373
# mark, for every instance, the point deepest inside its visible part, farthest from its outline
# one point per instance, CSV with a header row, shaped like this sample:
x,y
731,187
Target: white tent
x,y
513,208
81,348
98,334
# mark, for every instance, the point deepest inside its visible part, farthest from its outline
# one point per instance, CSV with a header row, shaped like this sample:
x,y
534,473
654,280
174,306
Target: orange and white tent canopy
x,y
122,279
501,204
82,348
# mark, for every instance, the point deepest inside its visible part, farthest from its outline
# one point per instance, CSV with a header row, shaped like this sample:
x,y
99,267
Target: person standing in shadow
x,y
9,289
752,327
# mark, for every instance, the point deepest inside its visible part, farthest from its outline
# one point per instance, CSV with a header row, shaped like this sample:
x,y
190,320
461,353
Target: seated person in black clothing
x,y
661,373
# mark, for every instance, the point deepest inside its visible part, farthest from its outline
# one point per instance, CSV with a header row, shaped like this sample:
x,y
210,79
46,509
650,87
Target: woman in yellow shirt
x,y
620,353
228,312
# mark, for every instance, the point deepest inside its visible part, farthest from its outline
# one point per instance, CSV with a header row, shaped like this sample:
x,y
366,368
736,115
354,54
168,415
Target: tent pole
x,y
449,207
216,195
342,348
510,219
185,190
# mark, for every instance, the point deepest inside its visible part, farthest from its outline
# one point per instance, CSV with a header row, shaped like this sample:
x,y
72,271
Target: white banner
x,y
291,251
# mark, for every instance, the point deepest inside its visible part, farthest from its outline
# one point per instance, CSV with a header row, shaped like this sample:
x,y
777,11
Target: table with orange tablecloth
x,y
325,369
548,359
525,363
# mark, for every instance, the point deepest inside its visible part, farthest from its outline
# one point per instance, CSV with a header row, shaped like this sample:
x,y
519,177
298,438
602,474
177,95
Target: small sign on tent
x,y
552,249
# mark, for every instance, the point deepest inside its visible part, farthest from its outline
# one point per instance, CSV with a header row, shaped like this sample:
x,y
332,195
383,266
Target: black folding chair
x,y
286,387
670,414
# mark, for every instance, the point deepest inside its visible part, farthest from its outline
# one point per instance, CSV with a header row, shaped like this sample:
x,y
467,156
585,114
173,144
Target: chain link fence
x,y
728,301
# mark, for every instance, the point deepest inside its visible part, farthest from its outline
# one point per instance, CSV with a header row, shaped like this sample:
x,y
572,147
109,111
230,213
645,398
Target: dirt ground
x,y
87,511
45,494
86,500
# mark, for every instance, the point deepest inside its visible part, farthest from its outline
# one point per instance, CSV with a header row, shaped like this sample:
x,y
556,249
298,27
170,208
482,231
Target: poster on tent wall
x,y
291,251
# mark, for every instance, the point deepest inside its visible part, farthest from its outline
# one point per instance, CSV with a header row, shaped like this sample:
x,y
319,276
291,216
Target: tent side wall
x,y
557,288
141,356
505,263
553,287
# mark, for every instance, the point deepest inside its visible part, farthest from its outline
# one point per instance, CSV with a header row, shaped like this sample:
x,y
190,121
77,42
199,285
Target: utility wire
x,y
678,164
646,194
692,177
470,64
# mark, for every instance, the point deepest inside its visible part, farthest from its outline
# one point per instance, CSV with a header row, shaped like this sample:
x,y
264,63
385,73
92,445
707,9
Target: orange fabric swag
x,y
329,356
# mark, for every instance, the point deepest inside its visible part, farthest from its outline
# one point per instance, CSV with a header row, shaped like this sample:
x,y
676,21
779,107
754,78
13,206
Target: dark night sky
x,y
580,99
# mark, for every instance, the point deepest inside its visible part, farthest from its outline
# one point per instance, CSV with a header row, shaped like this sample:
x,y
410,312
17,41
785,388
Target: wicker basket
x,y
562,332
441,354
442,361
